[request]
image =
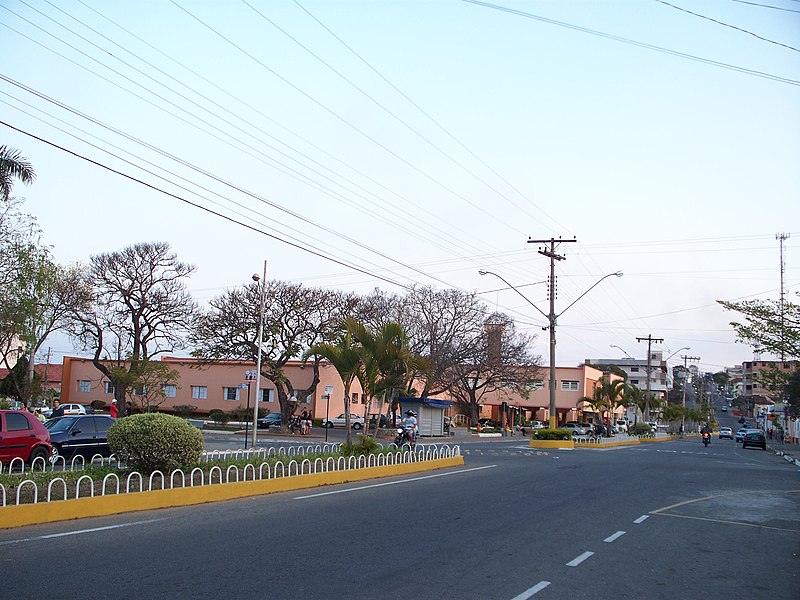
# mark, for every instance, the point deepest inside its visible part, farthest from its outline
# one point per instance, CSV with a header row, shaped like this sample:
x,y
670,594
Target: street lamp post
x,y
552,319
261,300
623,349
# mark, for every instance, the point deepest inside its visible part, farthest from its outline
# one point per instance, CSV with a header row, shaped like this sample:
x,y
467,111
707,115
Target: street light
x,y
261,300
623,349
552,319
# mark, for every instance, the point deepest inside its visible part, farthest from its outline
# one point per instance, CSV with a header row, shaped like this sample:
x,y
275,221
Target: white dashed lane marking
x,y
579,559
614,536
528,593
642,519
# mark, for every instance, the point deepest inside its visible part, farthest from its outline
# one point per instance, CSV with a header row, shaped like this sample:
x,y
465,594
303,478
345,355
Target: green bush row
x,y
552,434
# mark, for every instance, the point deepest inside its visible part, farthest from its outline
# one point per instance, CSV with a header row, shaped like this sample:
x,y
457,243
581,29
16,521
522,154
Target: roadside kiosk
x,y
430,414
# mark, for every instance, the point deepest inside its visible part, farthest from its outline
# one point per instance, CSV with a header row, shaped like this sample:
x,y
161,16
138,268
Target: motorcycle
x,y
706,439
405,437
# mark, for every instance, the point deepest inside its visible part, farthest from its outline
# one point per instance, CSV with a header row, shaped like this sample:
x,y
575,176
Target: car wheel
x,y
329,425
356,425
39,453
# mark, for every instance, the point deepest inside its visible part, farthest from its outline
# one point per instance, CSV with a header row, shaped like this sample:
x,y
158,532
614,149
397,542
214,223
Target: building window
x,y
266,395
109,387
170,391
230,393
199,392
569,386
634,382
84,385
538,384
634,369
355,397
140,390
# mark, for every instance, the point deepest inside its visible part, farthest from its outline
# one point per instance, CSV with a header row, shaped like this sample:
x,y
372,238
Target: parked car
x,y
74,409
270,419
621,426
575,427
540,425
754,437
653,425
86,435
725,432
88,408
724,409
23,436
356,421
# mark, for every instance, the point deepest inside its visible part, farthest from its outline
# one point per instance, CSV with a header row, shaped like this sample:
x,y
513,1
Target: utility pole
x,y
782,237
551,317
649,339
683,402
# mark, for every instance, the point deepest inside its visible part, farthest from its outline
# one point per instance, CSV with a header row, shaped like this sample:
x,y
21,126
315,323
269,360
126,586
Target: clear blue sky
x,y
421,141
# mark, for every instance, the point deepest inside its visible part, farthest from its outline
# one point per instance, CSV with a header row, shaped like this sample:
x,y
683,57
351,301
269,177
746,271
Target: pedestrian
x,y
58,410
303,418
309,423
293,423
113,409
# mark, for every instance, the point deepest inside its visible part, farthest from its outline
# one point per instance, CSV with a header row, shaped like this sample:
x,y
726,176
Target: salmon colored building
x,y
220,385
572,384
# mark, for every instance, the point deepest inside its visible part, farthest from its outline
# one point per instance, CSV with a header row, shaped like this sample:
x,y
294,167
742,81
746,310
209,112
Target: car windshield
x,y
60,424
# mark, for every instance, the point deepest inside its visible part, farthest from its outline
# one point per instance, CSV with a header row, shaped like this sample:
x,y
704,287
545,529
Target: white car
x,y
621,426
74,409
356,421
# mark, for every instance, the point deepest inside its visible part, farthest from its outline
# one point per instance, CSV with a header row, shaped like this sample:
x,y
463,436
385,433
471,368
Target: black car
x,y
86,435
270,419
754,438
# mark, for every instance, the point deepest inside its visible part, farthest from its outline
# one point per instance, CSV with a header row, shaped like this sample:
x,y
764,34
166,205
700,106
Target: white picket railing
x,y
58,489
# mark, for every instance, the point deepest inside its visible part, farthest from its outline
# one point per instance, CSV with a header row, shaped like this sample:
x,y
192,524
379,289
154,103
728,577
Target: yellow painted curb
x,y
63,510
552,444
662,439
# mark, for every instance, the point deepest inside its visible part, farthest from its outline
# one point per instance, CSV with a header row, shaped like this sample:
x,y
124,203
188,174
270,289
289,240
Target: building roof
x,y
53,371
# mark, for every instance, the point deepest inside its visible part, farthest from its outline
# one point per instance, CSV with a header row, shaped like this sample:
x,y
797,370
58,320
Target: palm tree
x,y
610,394
634,395
13,165
346,359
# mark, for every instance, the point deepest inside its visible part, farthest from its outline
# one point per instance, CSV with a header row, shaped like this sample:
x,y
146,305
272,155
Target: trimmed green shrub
x,y
218,416
640,429
364,445
155,441
552,434
184,410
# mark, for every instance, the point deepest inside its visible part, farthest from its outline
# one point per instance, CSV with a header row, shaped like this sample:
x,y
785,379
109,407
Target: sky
x,y
363,144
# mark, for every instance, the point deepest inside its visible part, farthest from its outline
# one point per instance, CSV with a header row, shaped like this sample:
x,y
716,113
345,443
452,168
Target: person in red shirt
x,y
113,409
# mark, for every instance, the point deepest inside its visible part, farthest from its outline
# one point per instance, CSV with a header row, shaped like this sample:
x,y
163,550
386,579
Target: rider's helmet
x,y
411,413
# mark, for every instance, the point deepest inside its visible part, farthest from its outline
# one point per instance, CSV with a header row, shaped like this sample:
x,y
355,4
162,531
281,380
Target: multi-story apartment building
x,y
636,369
752,384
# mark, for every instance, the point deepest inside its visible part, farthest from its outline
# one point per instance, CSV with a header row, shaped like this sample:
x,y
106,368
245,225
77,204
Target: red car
x,y
23,436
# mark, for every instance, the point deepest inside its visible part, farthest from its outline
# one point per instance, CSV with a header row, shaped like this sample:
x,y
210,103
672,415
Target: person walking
x,y
113,409
303,418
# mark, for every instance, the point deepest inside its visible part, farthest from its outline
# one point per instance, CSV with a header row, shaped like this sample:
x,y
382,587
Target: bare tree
x,y
140,309
442,326
295,319
497,362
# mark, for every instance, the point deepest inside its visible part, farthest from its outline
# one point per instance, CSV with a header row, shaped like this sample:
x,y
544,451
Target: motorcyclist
x,y
409,425
705,433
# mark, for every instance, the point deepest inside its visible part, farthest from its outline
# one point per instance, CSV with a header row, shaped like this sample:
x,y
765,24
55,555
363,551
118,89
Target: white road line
x,y
535,589
613,537
377,485
642,519
79,532
578,560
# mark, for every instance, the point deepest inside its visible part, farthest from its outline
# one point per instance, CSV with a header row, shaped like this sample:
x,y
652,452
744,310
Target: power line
x,y
727,25
767,6
647,46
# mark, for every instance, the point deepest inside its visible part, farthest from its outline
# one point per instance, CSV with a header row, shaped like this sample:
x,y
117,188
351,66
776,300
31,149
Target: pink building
x,y
217,386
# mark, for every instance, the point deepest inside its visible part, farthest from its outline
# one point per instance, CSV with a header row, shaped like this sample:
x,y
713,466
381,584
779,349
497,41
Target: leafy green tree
x,y
346,359
792,395
13,166
768,327
611,394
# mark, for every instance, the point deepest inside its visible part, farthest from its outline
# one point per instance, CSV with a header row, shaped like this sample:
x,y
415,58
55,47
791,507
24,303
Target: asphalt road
x,y
666,520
